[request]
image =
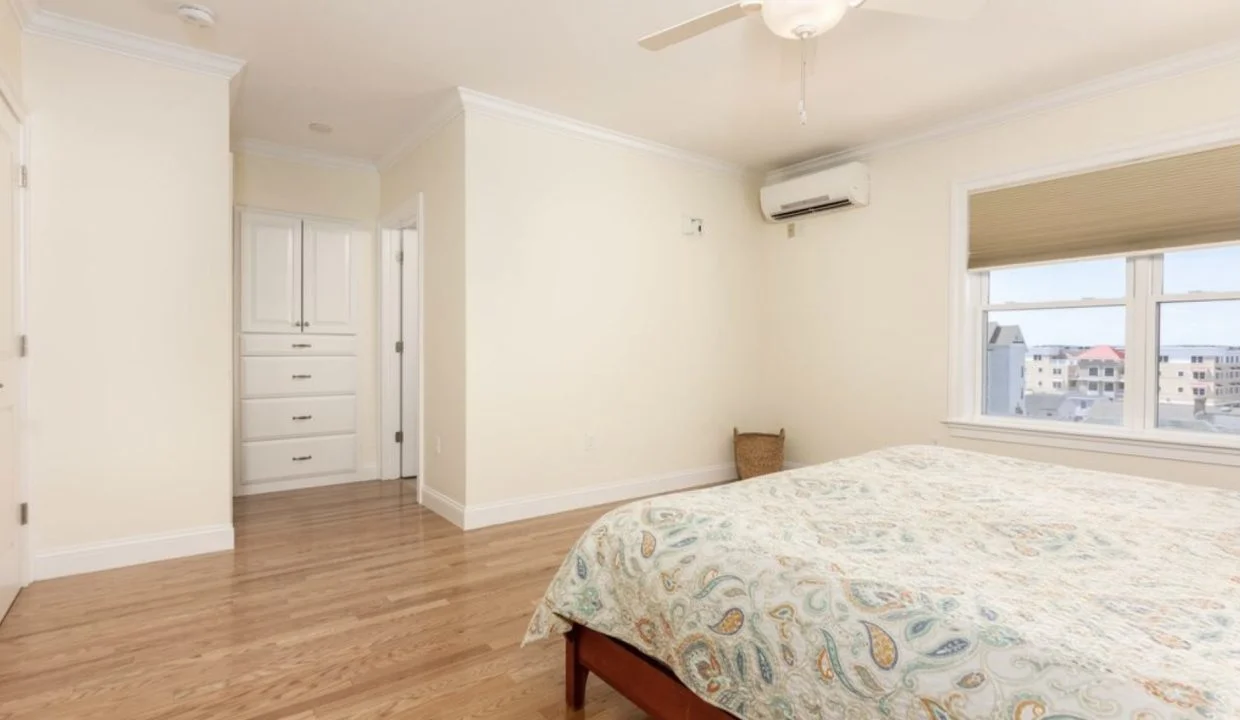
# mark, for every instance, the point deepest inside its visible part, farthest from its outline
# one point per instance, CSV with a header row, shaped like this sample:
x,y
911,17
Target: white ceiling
x,y
374,68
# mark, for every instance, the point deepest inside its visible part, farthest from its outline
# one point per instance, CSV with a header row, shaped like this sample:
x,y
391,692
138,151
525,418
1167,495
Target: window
x,y
1055,306
1199,308
1084,308
1130,264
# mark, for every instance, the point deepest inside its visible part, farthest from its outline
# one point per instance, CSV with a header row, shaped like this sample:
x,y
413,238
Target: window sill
x,y
1160,444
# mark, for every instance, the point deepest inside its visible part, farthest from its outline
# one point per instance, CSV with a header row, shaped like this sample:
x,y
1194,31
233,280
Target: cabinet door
x,y
270,273
329,257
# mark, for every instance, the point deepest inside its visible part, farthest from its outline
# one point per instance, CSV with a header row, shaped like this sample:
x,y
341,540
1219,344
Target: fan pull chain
x,y
804,72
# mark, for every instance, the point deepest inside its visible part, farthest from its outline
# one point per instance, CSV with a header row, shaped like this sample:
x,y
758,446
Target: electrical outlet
x,y
589,442
792,230
438,445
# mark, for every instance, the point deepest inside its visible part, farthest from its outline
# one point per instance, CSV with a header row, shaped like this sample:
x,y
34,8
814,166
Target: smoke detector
x,y
197,15
321,127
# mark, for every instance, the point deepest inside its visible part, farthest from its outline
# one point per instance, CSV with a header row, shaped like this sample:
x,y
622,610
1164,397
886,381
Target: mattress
x,y
924,582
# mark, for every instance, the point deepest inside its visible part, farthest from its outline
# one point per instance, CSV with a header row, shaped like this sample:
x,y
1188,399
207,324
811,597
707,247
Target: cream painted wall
x,y
436,168
130,297
10,48
859,317
279,184
347,194
590,313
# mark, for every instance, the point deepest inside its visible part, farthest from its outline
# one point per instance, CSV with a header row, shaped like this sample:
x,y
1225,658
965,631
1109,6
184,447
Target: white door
x,y
329,258
270,273
410,380
11,545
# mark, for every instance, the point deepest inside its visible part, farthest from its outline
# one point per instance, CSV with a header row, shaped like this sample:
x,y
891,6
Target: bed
x,y
913,582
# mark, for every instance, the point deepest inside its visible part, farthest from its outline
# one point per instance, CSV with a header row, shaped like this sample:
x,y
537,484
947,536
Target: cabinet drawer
x,y
291,417
274,376
252,344
278,459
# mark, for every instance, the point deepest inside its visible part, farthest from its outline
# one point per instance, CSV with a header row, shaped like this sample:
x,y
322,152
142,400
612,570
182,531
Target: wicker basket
x,y
758,453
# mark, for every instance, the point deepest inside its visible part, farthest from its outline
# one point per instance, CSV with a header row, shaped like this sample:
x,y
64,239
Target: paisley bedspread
x,y
924,583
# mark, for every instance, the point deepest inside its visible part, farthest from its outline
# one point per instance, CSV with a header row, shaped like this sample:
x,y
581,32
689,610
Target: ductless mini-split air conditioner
x,y
833,189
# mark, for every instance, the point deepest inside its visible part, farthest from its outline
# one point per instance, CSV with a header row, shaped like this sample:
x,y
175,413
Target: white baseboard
x,y
479,516
132,551
443,506
370,472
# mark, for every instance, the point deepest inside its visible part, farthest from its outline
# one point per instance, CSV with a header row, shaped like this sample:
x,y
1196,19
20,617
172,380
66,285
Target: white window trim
x,y
966,352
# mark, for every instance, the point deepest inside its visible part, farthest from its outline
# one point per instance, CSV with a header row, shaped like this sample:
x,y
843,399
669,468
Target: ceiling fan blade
x,y
938,9
700,24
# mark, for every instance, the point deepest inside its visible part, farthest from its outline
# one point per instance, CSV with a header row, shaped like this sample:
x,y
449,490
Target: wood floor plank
x,y
339,603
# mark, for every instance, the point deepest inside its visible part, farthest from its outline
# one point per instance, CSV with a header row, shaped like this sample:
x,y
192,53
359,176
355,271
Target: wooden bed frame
x,y
646,683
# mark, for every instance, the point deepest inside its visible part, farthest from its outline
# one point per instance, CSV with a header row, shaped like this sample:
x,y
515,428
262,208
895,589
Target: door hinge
x,y
400,346
400,256
23,513
23,346
400,437
23,176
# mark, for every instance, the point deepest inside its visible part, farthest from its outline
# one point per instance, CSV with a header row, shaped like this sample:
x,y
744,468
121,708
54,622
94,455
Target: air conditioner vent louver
x,y
840,187
809,207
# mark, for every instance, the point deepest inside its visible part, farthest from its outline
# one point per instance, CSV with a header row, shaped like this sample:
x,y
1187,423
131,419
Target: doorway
x,y
12,348
401,279
410,351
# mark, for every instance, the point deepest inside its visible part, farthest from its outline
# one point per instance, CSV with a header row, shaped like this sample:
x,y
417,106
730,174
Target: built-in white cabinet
x,y
297,275
297,403
270,273
328,305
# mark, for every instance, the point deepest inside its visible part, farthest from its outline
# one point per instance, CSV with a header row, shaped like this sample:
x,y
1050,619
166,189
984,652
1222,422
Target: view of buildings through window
x,y
1068,363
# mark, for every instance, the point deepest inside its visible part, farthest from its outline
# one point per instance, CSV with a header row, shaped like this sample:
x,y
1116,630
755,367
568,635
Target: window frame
x,y
1139,435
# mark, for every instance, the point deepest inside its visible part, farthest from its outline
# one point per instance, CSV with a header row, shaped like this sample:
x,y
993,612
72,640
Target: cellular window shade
x,y
1153,205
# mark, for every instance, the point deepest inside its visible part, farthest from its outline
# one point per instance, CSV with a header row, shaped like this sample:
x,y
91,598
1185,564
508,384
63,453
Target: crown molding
x,y
301,156
1166,69
442,113
464,100
182,57
482,103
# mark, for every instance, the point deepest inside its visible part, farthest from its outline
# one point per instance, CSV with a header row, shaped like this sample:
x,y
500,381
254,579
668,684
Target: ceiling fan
x,y
805,20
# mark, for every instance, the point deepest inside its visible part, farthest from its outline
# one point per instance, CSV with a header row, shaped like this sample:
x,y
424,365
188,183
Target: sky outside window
x,y
1197,323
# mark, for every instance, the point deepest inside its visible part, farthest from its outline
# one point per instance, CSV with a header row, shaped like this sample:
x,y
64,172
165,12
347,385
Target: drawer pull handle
x,y
302,458
303,417
302,346
301,377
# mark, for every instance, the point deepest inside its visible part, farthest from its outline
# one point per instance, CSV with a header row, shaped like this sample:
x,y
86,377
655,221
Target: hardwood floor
x,y
344,602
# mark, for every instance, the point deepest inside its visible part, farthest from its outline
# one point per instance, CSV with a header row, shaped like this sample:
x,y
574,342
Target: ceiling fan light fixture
x,y
800,19
197,15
